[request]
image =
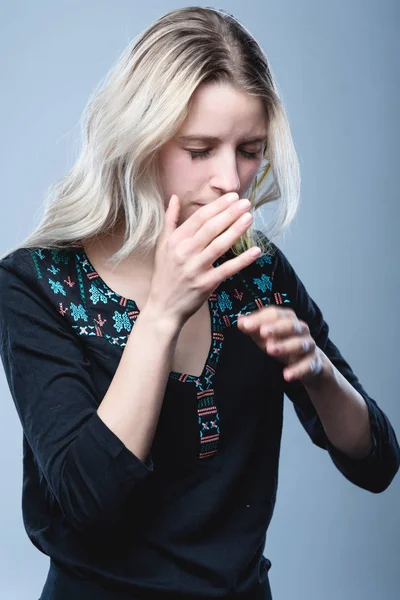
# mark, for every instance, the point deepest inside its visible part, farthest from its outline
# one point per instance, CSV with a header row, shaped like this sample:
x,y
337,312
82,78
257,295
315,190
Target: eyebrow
x,y
212,139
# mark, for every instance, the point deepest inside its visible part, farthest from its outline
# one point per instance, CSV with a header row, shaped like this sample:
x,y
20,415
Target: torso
x,y
193,345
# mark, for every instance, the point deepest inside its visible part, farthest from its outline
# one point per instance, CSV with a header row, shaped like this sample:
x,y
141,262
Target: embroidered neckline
x,y
225,304
130,304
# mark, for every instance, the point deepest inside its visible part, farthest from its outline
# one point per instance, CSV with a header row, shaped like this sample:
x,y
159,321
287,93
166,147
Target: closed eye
x,y
204,153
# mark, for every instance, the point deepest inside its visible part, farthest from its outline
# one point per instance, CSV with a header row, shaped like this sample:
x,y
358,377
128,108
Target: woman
x,y
151,407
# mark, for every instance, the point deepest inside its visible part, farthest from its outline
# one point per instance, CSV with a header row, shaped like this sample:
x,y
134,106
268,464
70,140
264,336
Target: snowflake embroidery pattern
x,y
90,320
78,312
96,295
121,321
59,256
263,283
57,287
263,260
224,301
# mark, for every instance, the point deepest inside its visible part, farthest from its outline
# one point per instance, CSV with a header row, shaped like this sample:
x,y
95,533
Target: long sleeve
x,y
376,471
87,468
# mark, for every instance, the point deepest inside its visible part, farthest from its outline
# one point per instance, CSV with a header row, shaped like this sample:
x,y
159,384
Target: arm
x,y
342,410
132,404
330,411
88,467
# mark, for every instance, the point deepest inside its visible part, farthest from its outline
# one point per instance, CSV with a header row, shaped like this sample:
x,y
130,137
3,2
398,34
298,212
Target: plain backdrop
x,y
336,65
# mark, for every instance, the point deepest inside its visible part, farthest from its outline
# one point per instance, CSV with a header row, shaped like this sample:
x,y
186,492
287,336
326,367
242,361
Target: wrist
x,y
164,324
325,376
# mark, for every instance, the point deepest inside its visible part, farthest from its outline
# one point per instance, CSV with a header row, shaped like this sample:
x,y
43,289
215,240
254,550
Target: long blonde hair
x,y
140,105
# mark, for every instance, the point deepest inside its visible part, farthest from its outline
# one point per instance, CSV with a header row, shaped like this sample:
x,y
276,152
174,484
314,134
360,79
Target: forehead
x,y
220,109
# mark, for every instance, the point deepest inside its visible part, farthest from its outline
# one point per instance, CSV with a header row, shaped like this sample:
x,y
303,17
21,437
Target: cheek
x,y
180,175
247,174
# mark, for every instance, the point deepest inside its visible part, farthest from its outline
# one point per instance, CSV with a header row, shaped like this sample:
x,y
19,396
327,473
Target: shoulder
x,y
266,264
14,262
16,275
34,273
35,264
281,266
270,277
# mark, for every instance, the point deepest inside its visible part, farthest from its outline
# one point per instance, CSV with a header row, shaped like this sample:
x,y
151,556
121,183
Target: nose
x,y
225,174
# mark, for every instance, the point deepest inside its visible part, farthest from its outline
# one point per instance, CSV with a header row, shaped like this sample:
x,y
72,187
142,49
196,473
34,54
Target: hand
x,y
183,275
281,334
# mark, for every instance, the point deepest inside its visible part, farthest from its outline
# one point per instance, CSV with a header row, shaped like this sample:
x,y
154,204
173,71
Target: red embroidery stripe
x,y
278,298
218,336
92,275
210,369
183,377
123,301
210,438
205,393
204,412
213,297
226,320
205,454
99,332
259,303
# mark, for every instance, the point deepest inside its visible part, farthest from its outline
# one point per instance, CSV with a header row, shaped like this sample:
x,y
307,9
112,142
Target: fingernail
x,y
255,251
266,331
232,196
244,203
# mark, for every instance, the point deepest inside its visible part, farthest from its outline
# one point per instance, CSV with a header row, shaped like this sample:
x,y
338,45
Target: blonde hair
x,y
140,105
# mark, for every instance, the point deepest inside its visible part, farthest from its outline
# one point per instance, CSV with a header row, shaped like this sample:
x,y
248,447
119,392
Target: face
x,y
201,170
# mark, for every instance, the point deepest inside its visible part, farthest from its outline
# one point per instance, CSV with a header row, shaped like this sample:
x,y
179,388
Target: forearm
x,y
342,410
132,404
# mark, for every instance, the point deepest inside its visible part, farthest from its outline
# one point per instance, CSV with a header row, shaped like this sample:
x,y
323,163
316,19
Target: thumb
x,y
172,214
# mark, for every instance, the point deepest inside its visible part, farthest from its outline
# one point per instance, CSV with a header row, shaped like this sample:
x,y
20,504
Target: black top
x,y
193,520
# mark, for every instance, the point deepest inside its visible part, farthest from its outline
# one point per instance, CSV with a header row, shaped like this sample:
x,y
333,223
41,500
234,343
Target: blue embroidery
x,y
242,293
263,283
224,301
264,260
57,287
121,321
96,295
78,312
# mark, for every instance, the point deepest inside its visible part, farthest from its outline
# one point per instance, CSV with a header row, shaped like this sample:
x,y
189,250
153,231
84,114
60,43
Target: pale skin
x,y
200,172
341,408
228,165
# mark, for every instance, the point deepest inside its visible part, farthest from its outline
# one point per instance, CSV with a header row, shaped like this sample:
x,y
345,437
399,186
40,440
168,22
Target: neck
x,y
108,244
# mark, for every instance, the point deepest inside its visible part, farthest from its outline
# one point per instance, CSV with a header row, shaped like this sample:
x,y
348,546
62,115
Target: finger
x,y
286,326
220,232
203,260
172,215
250,326
304,369
294,345
216,236
267,319
192,224
230,267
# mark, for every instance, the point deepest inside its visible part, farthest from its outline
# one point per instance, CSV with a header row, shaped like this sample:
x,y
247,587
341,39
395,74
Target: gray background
x,y
336,67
